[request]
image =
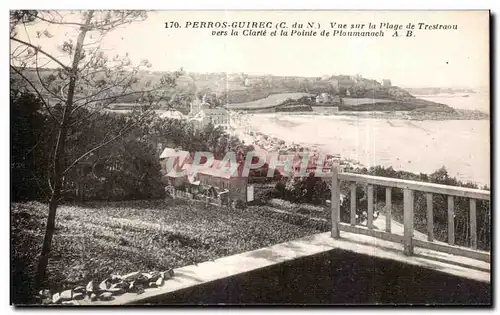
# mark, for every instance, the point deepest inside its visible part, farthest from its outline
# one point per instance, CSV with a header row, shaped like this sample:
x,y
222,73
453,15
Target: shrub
x,y
240,204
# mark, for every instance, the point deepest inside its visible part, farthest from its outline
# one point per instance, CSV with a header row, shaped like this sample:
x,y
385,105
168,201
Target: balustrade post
x,y
473,225
451,221
430,218
408,221
335,192
353,204
388,205
369,221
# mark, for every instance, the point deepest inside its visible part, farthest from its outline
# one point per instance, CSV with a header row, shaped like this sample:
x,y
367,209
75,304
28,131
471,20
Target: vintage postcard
x,y
265,157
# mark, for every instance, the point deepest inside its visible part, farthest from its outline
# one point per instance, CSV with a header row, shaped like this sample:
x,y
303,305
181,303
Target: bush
x,y
262,196
309,189
126,168
240,204
282,204
293,218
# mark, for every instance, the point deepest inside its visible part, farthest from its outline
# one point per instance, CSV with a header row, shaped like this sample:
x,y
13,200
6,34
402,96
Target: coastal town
x,y
223,180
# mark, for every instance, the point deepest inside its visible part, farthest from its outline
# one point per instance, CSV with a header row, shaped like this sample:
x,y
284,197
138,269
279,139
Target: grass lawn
x,y
95,240
270,101
359,101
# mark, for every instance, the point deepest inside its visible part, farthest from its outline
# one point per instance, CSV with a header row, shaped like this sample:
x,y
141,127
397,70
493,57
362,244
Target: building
x,y
386,83
202,114
251,81
220,177
197,105
335,84
219,117
329,102
323,98
174,159
177,170
327,99
223,178
234,77
173,114
178,177
345,81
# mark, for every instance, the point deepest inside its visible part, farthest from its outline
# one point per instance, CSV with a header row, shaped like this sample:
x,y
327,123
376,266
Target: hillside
x,y
270,101
245,92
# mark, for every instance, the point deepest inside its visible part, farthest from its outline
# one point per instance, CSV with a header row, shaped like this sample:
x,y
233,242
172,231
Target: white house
x,y
174,159
202,114
386,83
218,116
172,114
197,105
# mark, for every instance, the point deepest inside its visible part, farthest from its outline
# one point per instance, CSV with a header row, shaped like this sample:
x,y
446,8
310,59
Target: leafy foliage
x,y
26,126
126,168
86,80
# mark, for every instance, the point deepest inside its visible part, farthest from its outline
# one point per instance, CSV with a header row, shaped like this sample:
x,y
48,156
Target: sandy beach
x,y
415,146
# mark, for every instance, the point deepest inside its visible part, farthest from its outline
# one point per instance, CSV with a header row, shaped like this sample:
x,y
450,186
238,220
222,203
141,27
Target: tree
x,y
26,125
82,78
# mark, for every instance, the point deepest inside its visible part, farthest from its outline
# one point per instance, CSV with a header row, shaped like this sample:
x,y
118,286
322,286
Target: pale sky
x,y
431,58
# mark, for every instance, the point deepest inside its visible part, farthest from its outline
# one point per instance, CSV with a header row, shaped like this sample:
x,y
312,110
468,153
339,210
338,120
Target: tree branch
x,y
43,52
102,91
56,22
114,97
37,92
41,81
121,133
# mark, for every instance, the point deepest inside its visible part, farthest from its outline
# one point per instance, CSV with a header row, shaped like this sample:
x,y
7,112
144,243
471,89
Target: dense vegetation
x,y
125,168
294,108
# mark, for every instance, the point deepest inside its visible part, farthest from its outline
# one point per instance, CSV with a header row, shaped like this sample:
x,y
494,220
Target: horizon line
x,y
258,74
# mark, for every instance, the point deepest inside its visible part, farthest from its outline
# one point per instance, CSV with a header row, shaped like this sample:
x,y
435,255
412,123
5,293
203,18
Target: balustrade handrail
x,y
416,185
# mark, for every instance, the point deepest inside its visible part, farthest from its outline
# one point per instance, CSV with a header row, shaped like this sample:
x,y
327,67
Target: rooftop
x,y
169,152
222,170
175,114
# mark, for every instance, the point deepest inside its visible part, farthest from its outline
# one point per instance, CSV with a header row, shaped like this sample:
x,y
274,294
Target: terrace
x,y
350,264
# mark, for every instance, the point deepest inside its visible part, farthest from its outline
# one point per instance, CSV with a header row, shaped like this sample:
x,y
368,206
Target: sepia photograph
x,y
250,157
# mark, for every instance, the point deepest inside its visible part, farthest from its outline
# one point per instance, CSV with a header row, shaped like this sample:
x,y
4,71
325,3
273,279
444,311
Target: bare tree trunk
x,y
60,151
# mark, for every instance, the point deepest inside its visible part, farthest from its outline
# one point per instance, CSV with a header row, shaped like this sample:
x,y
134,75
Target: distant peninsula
x,y
268,93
